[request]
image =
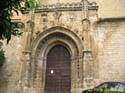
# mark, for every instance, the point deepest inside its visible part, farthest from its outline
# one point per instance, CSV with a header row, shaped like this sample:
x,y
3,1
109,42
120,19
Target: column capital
x,y
88,50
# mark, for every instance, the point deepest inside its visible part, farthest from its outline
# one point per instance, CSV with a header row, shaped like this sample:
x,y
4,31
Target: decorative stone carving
x,y
86,24
54,36
44,21
57,15
52,17
72,17
67,7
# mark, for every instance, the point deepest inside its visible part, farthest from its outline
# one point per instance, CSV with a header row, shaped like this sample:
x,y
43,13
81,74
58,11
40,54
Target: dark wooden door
x,y
58,79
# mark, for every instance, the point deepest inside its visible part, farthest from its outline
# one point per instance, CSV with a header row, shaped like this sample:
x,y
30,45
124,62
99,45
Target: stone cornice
x,y
66,7
111,19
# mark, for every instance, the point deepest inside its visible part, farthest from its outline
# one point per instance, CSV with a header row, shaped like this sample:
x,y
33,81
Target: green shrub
x,y
2,56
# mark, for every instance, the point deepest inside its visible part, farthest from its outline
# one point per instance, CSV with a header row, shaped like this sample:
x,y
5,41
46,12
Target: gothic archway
x,y
44,43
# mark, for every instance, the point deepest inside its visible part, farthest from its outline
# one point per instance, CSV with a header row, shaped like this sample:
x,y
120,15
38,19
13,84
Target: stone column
x,y
25,72
88,61
26,58
88,68
77,73
86,24
73,74
80,72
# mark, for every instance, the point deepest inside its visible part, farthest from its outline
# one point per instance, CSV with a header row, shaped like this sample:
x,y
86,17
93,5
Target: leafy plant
x,y
2,56
7,10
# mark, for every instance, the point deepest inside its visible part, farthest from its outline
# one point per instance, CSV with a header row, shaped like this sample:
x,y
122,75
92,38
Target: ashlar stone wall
x,y
111,42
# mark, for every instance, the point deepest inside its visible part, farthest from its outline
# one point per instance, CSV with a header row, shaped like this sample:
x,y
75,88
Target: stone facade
x,y
112,50
96,47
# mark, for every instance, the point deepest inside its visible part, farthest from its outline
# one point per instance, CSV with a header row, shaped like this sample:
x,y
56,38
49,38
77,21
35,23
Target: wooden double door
x,y
58,70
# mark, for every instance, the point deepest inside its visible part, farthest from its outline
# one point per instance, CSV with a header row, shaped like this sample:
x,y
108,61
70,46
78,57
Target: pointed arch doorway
x,y
58,74
42,49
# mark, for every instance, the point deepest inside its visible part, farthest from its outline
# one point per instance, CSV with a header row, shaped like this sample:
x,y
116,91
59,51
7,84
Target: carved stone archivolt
x,y
40,48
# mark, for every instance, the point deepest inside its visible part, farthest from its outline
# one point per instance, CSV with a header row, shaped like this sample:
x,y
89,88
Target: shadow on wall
x,y
3,80
3,76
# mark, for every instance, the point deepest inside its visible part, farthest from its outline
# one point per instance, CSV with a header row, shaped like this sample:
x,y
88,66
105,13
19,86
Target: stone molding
x,y
40,48
62,30
66,7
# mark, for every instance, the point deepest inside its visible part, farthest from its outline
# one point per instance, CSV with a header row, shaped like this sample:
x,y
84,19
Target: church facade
x,y
65,48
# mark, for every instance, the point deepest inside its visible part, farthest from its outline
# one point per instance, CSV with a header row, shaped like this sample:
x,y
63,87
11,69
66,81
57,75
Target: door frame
x,y
62,60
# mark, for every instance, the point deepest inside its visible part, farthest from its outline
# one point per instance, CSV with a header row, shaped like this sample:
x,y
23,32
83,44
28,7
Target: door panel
x,y
58,79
